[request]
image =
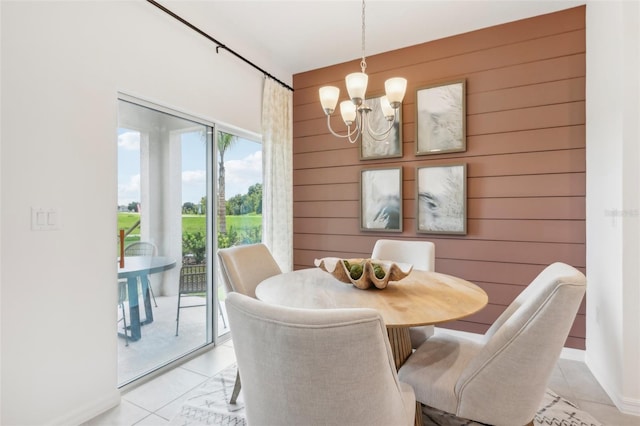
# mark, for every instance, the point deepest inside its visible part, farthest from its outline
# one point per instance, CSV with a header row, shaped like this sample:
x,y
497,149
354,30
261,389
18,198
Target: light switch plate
x,y
45,219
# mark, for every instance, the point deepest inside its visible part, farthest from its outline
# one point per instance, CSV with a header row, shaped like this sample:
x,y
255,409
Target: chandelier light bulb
x,y
348,112
357,86
329,98
387,110
395,89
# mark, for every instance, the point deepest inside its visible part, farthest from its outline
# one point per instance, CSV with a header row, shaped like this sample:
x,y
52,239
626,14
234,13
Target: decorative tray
x,y
364,273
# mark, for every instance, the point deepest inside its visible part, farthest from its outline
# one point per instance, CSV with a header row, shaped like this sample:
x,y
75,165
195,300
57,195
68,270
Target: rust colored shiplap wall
x,y
525,84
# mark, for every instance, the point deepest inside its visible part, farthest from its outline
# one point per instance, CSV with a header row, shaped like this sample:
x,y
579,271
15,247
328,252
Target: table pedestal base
x,y
400,342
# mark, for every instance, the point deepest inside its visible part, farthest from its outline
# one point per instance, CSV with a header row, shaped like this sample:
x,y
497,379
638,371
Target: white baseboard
x,y
89,411
624,404
628,406
573,354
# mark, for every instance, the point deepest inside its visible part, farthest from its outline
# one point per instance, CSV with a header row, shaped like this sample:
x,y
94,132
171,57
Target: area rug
x,y
208,405
554,411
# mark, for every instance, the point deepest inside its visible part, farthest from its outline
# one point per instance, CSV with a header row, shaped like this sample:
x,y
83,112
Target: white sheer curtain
x,y
277,140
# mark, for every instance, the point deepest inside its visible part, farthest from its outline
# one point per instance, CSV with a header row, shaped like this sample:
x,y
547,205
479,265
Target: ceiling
x,y
302,35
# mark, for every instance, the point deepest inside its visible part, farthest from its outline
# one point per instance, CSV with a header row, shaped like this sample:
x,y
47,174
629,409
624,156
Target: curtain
x,y
277,148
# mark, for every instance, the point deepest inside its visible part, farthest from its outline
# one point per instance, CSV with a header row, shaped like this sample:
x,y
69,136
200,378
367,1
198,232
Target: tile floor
x,y
156,402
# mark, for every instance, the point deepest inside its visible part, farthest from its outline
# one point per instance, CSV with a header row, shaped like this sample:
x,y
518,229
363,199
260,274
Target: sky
x,y
243,165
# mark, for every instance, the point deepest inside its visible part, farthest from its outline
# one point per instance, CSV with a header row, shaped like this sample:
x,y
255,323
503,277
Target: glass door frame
x,y
244,134
211,314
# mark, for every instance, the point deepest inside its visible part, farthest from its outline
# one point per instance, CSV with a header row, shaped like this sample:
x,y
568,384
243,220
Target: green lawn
x,y
190,223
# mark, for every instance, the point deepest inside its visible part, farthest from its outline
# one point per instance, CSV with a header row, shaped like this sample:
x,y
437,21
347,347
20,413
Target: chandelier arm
x,y
350,132
380,136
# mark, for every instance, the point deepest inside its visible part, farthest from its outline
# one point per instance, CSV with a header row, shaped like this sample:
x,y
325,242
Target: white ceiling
x,y
302,35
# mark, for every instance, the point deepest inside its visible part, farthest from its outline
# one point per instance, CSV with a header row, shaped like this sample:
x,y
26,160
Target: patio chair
x,y
193,281
122,296
143,248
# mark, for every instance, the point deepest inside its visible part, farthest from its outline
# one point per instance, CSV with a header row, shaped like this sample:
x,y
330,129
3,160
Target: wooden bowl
x,y
337,267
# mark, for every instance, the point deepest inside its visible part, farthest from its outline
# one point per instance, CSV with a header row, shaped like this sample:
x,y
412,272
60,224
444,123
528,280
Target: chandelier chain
x,y
363,63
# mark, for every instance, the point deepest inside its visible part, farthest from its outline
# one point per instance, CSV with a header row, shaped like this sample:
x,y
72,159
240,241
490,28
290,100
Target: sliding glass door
x,y
165,245
239,197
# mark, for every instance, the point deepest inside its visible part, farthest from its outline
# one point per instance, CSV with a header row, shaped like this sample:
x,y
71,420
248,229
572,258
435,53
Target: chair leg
x,y
153,296
178,315
418,416
124,320
224,321
236,389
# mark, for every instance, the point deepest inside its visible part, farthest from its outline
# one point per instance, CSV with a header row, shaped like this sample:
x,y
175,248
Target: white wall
x,y
613,200
62,66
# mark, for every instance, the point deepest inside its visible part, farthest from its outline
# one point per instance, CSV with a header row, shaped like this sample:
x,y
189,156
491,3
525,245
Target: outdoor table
x,y
139,267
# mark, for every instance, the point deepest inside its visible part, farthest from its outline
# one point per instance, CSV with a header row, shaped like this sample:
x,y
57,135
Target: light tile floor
x,y
158,400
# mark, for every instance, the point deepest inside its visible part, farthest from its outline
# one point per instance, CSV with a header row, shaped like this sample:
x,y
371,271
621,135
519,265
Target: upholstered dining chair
x,y
422,255
316,366
502,379
143,248
243,268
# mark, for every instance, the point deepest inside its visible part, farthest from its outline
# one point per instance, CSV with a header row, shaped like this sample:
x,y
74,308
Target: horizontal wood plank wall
x,y
525,157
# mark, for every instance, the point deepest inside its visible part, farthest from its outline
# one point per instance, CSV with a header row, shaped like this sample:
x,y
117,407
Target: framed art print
x,y
388,146
441,118
381,199
441,199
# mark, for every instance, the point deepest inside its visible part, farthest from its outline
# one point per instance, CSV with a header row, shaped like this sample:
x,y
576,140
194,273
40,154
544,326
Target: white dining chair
x,y
243,268
420,254
316,366
502,379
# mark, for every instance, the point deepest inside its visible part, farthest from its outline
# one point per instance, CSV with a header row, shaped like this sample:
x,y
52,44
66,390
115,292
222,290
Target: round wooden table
x,y
422,298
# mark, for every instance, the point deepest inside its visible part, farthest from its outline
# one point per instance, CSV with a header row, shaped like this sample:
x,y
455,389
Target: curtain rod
x,y
219,45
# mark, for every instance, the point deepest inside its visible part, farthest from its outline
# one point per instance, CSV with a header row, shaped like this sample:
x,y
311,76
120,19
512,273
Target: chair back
x,y
244,267
122,291
193,279
141,248
421,254
522,347
307,366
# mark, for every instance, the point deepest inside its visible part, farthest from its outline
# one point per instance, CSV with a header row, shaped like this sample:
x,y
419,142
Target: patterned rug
x,y
209,406
554,411
209,403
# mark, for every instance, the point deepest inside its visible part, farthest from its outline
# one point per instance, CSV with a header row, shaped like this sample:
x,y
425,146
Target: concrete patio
x,y
159,345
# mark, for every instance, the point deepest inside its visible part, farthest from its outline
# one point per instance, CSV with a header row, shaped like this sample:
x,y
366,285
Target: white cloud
x,y
129,191
194,185
241,174
129,141
194,177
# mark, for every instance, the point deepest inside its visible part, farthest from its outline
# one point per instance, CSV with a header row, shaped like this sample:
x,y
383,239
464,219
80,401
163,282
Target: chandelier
x,y
355,112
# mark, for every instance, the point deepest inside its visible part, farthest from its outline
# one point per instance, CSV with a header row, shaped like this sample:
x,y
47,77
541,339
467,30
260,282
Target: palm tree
x,y
225,140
